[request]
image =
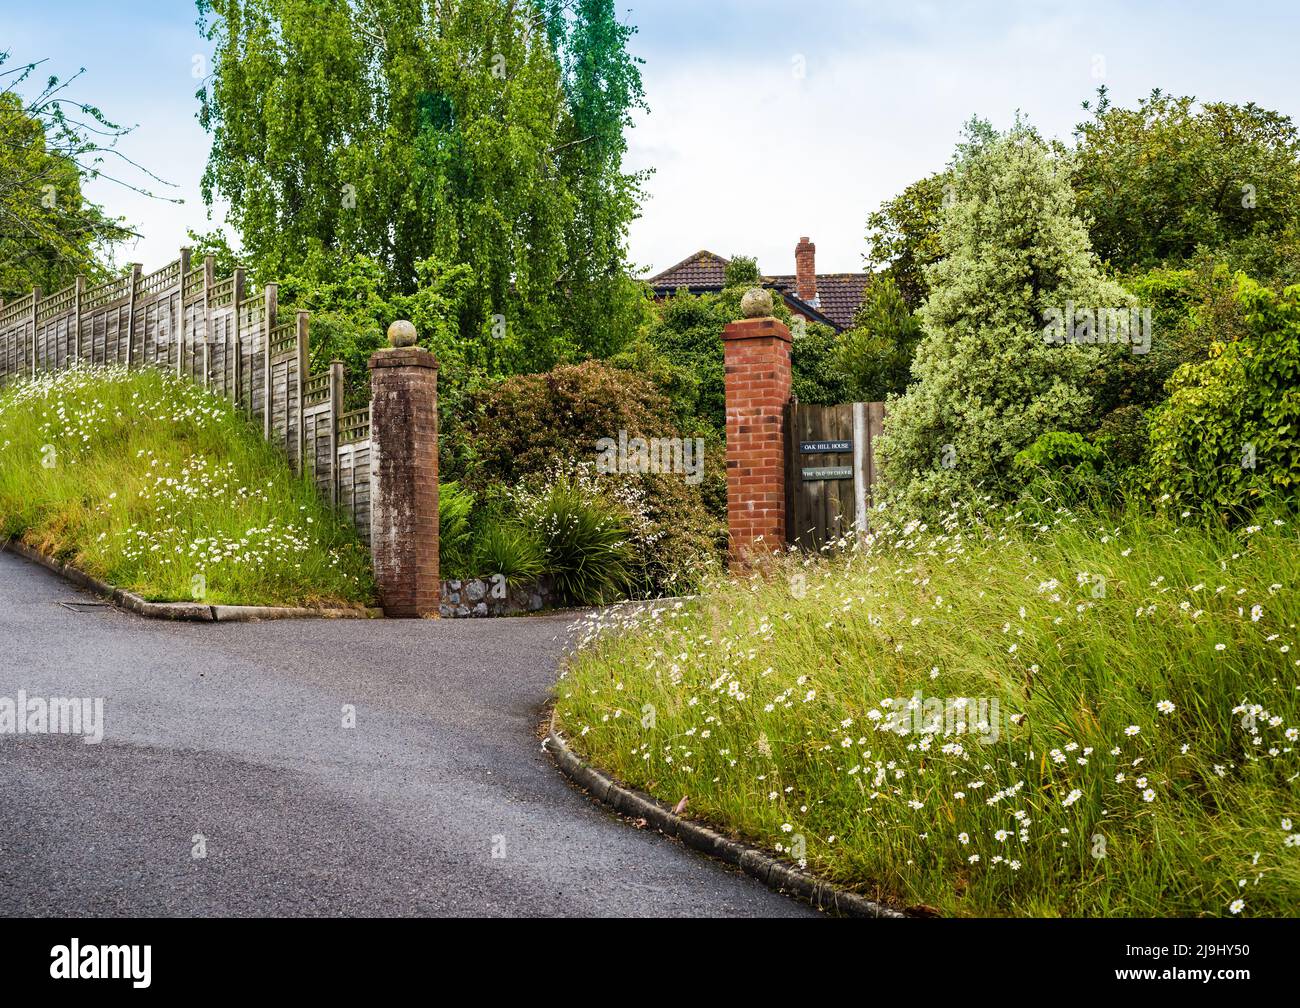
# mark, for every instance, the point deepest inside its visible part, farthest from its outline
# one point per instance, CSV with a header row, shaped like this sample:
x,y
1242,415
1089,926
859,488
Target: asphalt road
x,y
228,740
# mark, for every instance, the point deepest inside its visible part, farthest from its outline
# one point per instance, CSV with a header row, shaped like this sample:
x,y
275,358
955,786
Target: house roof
x,y
838,294
703,269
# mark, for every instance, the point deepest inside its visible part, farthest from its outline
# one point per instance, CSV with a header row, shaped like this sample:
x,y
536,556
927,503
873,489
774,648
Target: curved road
x,y
233,733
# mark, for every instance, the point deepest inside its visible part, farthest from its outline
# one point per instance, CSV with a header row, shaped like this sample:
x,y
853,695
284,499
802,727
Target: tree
x,y
903,235
50,145
483,133
987,382
875,356
1161,180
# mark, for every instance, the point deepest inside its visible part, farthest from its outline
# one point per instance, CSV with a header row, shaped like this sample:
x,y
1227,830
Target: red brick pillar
x,y
404,475
757,365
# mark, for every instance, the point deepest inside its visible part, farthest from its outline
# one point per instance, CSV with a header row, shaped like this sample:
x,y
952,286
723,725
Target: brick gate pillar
x,y
756,354
404,474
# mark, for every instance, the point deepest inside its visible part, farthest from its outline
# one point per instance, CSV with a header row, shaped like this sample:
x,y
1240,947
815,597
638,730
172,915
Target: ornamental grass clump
x,y
992,714
146,481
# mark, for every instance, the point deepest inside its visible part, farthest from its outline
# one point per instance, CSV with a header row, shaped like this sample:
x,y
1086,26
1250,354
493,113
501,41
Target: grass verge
x,y
144,480
992,716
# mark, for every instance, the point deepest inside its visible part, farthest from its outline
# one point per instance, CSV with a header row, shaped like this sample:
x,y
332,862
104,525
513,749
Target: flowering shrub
x,y
989,715
148,482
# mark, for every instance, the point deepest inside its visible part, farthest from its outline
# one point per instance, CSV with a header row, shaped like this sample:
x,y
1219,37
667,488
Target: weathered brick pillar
x,y
404,475
757,365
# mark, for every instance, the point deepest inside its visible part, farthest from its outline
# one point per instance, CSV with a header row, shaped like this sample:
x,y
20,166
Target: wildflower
x,y
1165,707
1132,730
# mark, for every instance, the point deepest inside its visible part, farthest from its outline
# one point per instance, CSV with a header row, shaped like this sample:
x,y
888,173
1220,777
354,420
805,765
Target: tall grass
x,y
150,483
1141,758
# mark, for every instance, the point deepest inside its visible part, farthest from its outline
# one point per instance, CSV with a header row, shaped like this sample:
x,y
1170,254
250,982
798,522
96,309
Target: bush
x,y
524,424
533,429
1060,467
1056,452
584,541
508,549
1228,438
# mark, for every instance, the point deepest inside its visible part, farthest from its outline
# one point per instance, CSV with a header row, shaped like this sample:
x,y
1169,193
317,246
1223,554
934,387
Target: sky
x,y
768,120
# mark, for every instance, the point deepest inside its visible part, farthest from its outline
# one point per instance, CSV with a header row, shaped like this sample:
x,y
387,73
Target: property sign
x,y
828,473
812,447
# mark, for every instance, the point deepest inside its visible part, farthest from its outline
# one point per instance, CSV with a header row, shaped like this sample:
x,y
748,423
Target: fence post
x,y
268,323
209,278
336,411
36,300
303,364
178,315
404,475
756,366
130,319
77,293
237,368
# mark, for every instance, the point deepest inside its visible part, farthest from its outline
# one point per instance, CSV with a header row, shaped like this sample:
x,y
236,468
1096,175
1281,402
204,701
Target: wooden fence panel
x,y
222,335
829,470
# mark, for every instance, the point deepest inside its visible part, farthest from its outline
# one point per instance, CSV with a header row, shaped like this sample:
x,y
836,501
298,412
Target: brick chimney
x,y
805,271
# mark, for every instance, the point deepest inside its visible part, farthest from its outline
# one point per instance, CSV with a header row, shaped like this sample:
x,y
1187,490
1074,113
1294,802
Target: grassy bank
x,y
1130,695
146,481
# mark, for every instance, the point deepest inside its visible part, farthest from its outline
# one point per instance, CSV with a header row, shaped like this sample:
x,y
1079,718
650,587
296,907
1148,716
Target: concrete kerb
x,y
188,611
768,870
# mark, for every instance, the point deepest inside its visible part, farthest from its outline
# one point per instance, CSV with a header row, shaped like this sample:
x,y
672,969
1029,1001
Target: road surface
x,y
228,741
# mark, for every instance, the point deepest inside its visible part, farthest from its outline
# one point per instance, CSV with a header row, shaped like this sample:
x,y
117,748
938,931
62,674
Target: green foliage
x,y
455,548
148,482
741,271
685,334
523,424
1122,436
49,231
403,132
352,308
987,384
903,235
584,541
816,375
508,549
1228,438
542,428
1172,176
1057,451
688,332
875,356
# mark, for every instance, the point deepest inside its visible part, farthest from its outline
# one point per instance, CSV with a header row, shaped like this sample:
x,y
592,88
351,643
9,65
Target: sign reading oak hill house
x,y
833,472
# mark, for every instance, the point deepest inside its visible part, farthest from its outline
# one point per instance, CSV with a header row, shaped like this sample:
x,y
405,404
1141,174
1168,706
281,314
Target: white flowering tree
x,y
985,381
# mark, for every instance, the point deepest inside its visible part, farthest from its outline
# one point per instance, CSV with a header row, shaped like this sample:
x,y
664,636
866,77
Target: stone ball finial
x,y
401,334
756,303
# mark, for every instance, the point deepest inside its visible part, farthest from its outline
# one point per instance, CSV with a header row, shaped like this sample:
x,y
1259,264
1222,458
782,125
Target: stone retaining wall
x,y
494,596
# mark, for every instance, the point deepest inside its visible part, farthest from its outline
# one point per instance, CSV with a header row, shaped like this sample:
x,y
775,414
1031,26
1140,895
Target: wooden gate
x,y
830,469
